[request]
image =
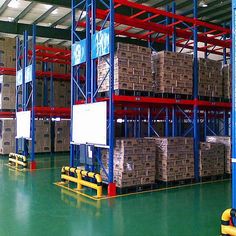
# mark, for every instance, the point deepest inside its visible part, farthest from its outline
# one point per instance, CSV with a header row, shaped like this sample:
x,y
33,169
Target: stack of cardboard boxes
x,y
62,136
7,92
172,72
211,159
7,136
210,78
226,141
8,52
61,94
132,69
174,159
42,136
227,81
134,162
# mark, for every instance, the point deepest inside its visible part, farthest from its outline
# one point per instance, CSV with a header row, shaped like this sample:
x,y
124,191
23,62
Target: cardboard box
x,y
226,141
172,73
211,159
132,69
174,159
210,78
134,162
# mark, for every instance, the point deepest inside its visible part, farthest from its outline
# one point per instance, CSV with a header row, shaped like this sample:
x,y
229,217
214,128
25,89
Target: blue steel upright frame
x,y
26,88
195,95
89,93
233,123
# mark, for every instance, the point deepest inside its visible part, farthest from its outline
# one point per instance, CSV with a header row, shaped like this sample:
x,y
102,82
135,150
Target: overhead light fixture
x,y
10,19
14,4
47,6
55,12
203,3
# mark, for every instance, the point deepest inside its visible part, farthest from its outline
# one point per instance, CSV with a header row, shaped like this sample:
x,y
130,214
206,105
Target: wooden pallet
x,y
163,184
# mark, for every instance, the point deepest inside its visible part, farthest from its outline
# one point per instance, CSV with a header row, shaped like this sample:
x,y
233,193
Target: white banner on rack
x,y
23,124
90,123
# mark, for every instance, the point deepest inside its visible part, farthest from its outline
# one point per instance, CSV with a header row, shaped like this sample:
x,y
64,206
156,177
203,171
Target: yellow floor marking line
x,y
28,170
62,185
76,191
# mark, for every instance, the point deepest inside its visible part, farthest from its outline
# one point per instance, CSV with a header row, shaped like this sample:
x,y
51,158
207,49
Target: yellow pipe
x,y
71,179
79,185
19,159
226,228
18,156
81,182
17,162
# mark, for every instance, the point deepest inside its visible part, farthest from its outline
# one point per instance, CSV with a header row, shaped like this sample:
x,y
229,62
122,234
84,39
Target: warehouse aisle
x,y
31,205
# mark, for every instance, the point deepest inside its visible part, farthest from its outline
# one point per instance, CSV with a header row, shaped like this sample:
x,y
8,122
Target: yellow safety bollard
x,y
65,175
226,228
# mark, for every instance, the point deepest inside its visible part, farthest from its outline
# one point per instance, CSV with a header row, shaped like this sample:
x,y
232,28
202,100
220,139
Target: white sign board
x,y
23,121
90,123
19,77
28,73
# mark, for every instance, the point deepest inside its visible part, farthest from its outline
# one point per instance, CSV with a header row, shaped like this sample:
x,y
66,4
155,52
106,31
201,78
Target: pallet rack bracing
x,y
88,93
27,53
146,24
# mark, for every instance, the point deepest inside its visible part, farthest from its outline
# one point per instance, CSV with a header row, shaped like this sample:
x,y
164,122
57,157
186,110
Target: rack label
x,y
78,53
19,77
28,73
100,43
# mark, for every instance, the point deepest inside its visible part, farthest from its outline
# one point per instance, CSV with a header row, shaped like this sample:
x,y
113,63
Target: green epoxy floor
x,y
31,205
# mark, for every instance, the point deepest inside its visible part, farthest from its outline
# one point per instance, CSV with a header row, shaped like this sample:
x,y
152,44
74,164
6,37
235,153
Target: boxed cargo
x,y
174,159
134,162
132,69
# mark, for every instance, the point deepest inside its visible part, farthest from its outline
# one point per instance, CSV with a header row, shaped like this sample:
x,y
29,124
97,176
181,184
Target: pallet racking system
x,y
27,54
152,26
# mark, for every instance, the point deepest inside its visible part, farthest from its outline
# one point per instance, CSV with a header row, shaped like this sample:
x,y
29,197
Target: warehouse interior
x,y
117,112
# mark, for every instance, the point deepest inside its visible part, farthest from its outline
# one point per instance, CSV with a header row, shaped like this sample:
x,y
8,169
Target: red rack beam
x,y
52,112
7,114
40,74
158,28
145,102
189,20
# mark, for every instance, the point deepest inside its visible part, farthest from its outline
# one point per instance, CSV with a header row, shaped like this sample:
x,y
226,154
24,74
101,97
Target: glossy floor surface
x,y
30,204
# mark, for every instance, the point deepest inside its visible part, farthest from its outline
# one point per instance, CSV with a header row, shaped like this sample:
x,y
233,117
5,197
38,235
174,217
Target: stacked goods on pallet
x,y
61,94
211,159
7,92
39,93
62,136
42,136
227,81
210,78
172,72
174,159
8,134
227,143
8,52
132,69
134,162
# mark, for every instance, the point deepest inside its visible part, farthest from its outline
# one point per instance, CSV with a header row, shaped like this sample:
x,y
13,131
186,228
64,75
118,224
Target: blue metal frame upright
x,y
233,123
195,94
26,88
89,93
